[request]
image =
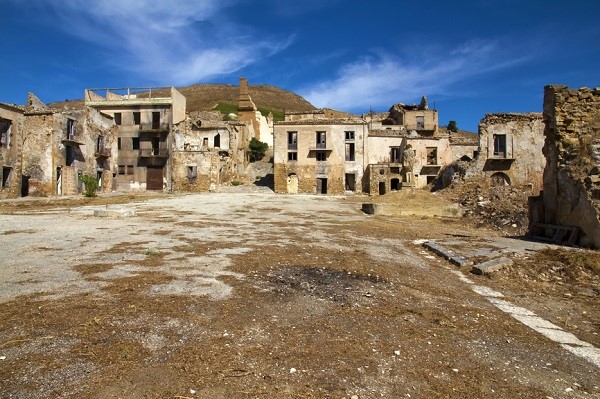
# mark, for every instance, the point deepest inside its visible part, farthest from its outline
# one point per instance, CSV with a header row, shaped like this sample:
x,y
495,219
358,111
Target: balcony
x,y
154,127
430,170
320,147
154,153
102,152
71,140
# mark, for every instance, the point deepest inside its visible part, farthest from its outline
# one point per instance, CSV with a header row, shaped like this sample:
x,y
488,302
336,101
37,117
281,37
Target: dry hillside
x,y
203,97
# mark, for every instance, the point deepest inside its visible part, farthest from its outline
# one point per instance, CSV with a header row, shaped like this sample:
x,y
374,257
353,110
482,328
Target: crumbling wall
x,y
571,193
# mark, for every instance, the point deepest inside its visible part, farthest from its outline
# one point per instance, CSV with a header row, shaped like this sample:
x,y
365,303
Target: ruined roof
x,y
14,107
511,116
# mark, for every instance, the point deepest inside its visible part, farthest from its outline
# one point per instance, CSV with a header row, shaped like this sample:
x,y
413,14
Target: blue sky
x,y
468,57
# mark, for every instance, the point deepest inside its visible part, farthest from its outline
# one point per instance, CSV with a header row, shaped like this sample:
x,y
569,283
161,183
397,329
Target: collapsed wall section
x,y
571,195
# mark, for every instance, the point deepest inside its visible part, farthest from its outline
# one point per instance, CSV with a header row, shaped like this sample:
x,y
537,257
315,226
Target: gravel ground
x,y
247,294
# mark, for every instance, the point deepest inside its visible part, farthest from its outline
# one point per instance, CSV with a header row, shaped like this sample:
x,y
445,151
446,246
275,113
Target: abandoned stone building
x,y
47,151
11,117
247,112
510,150
316,153
568,209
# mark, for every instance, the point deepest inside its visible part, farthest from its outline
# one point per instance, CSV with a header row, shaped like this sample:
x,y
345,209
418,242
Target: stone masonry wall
x,y
571,193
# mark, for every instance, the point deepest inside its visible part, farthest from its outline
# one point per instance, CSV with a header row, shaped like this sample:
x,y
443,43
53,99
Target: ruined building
x,y
568,209
510,150
11,117
247,112
318,153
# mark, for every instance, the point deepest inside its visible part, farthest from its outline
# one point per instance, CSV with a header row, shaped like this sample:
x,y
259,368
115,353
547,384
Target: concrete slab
x,y
491,265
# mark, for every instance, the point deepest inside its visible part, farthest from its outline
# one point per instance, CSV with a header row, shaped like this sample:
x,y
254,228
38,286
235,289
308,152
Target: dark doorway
x,y
381,188
24,186
350,182
155,145
395,184
217,141
321,186
156,120
70,155
154,178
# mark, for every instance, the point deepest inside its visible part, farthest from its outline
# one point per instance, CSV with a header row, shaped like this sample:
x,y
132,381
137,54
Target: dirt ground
x,y
257,295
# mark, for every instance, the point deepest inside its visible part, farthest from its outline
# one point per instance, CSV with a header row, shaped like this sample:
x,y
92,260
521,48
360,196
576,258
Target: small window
x,y
321,156
119,143
395,155
192,172
117,118
122,169
292,156
420,122
349,136
130,169
205,142
135,143
136,118
500,145
70,129
5,127
321,140
156,120
349,151
431,155
292,140
6,175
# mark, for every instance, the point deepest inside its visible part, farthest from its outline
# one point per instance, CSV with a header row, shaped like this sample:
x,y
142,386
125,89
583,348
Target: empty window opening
x,y
192,172
137,117
156,145
322,185
156,120
349,151
122,169
217,141
321,140
500,179
432,156
381,172
6,175
349,136
100,144
420,122
395,155
70,129
500,145
292,140
135,143
117,118
5,128
292,156
350,180
395,170
321,156
395,184
119,144
130,169
205,142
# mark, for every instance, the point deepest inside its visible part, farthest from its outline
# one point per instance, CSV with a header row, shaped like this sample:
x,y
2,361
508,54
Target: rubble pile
x,y
503,208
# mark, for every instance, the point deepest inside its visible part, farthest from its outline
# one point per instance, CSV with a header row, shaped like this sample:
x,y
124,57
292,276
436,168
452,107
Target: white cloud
x,y
164,41
383,80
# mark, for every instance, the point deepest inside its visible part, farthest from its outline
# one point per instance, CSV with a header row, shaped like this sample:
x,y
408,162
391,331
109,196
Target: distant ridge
x,y
205,96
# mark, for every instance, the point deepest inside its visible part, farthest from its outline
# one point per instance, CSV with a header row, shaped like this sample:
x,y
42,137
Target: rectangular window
x,y
420,122
119,143
205,142
500,145
122,169
321,156
349,151
135,143
5,127
321,140
70,129
136,118
129,169
292,140
292,156
156,120
192,172
395,155
6,172
117,118
349,136
432,156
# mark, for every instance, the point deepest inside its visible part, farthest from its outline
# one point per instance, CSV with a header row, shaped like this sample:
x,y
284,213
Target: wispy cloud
x,y
383,79
170,42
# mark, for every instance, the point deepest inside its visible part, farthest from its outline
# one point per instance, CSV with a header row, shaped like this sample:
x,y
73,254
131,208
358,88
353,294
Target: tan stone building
x,y
510,150
147,120
11,118
316,153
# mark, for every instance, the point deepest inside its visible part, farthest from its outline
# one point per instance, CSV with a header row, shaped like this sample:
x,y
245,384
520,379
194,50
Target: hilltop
x,y
205,97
